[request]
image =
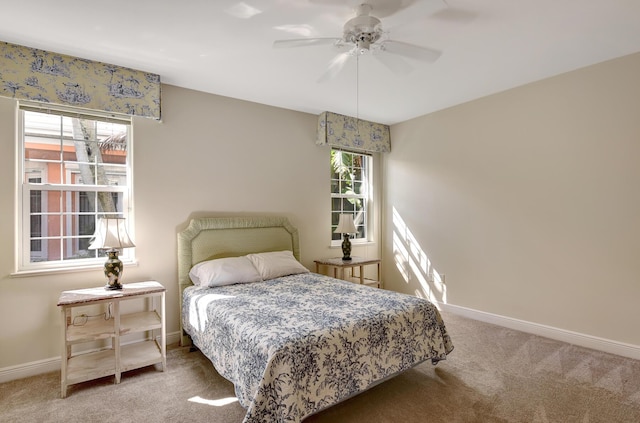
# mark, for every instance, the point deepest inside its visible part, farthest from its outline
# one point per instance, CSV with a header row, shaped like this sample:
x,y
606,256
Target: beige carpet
x,y
493,375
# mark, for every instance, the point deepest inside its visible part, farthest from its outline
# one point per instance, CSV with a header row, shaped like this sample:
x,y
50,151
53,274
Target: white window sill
x,y
62,270
338,244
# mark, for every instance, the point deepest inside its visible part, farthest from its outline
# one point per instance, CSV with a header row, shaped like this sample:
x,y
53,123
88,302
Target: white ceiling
x,y
225,47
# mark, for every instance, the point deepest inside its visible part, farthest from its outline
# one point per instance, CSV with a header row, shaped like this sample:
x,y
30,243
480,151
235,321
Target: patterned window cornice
x,y
352,133
38,75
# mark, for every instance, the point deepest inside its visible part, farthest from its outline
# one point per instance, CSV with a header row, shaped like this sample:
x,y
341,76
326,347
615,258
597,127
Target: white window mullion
x,y
25,239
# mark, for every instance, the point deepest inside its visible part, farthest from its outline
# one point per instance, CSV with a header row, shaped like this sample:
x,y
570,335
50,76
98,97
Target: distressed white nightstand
x,y
115,358
338,265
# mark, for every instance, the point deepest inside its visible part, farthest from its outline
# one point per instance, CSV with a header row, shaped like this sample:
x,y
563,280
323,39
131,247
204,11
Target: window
x,y
351,191
75,168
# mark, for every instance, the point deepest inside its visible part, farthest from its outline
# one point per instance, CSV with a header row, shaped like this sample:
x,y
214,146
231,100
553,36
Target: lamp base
x,y
113,287
346,248
113,271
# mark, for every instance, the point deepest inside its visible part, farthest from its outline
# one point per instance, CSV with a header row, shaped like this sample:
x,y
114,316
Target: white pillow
x,y
275,264
224,271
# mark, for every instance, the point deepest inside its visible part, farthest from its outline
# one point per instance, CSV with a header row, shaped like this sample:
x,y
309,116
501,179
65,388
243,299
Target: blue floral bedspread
x,y
295,345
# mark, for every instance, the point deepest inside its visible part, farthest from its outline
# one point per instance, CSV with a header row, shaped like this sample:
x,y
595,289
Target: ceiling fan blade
x,y
304,42
454,14
396,65
412,12
382,7
411,51
328,2
335,66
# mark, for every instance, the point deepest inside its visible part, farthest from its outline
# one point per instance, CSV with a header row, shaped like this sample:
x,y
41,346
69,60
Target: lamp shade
x,y
111,232
346,225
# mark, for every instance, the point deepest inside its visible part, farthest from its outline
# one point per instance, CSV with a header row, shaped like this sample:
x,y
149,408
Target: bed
x,y
298,343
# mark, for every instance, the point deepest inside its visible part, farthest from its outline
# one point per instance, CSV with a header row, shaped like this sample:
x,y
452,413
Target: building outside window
x,y
75,169
351,192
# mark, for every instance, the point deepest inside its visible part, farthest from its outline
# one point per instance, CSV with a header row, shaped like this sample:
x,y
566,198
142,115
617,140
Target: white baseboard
x,y
51,364
575,338
600,344
29,369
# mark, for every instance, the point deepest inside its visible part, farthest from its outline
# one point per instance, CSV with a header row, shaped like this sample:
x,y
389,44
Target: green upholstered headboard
x,y
214,237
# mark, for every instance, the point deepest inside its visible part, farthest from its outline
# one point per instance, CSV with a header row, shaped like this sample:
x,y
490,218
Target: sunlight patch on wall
x,y
413,263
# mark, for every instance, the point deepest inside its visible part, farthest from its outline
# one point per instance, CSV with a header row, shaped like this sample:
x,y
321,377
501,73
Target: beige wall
x,y
210,155
528,201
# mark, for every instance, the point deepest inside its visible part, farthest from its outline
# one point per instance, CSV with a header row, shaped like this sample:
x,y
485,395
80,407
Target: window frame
x,y
367,198
69,192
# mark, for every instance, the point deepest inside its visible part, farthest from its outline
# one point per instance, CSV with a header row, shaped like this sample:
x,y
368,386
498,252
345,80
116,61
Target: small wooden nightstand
x,y
115,358
340,265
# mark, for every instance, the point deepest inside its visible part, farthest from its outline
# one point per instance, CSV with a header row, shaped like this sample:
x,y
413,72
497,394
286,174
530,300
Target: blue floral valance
x,y
352,133
38,75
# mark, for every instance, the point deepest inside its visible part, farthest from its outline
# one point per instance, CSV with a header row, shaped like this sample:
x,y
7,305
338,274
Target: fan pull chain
x,y
357,93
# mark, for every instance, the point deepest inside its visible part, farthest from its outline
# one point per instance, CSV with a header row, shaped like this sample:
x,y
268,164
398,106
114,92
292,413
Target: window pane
x,y
36,218
358,187
86,218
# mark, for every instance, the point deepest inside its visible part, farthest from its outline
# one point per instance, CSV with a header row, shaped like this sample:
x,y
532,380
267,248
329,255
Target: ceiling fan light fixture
x,y
363,30
362,41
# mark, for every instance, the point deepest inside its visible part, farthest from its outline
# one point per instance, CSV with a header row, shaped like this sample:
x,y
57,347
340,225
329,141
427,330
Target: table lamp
x,y
111,234
346,227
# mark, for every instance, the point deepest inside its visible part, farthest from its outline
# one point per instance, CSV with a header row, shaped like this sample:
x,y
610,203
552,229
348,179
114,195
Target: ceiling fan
x,y
364,34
